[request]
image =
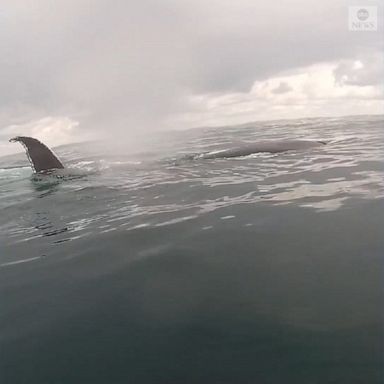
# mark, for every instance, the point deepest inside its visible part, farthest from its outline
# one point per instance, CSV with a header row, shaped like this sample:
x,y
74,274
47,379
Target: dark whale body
x,y
40,156
43,160
262,146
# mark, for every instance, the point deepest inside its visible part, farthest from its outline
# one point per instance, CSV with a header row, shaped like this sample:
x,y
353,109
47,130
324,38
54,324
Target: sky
x,y
73,70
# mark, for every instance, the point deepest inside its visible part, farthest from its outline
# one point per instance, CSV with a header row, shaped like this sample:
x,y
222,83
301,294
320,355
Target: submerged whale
x,y
272,146
42,159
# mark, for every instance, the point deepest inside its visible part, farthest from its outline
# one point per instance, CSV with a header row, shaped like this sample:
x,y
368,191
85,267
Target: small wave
x,y
7,264
104,194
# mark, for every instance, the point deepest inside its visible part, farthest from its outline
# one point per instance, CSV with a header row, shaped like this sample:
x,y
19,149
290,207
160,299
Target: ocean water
x,y
145,266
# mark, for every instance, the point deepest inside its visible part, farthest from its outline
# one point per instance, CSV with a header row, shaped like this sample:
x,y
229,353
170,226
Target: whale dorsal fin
x,y
39,155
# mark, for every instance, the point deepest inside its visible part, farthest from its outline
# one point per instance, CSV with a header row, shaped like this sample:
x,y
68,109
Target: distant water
x,y
147,267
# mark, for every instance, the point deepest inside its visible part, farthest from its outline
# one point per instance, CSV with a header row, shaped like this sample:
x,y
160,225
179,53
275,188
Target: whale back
x,y
273,146
39,155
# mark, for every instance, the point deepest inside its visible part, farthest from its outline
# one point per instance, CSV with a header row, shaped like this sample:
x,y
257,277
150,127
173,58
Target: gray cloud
x,y
244,41
282,88
93,61
366,71
129,65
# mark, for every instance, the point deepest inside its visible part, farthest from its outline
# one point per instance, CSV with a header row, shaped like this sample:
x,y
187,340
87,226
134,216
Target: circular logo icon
x,y
362,14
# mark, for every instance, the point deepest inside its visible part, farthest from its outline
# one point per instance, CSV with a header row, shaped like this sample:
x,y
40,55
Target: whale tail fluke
x,y
40,156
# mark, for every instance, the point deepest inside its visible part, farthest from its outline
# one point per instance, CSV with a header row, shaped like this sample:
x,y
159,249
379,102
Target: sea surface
x,y
140,264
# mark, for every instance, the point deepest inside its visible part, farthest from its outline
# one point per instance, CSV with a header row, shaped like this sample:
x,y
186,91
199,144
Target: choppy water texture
x,y
147,267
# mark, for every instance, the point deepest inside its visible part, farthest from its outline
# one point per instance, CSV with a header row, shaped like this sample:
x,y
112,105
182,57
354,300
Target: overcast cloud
x,y
77,69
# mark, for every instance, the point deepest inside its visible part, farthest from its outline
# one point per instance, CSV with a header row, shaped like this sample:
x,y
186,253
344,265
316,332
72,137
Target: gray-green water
x,y
150,268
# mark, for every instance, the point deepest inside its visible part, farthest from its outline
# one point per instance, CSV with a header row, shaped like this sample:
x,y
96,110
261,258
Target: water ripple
x,y
127,194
